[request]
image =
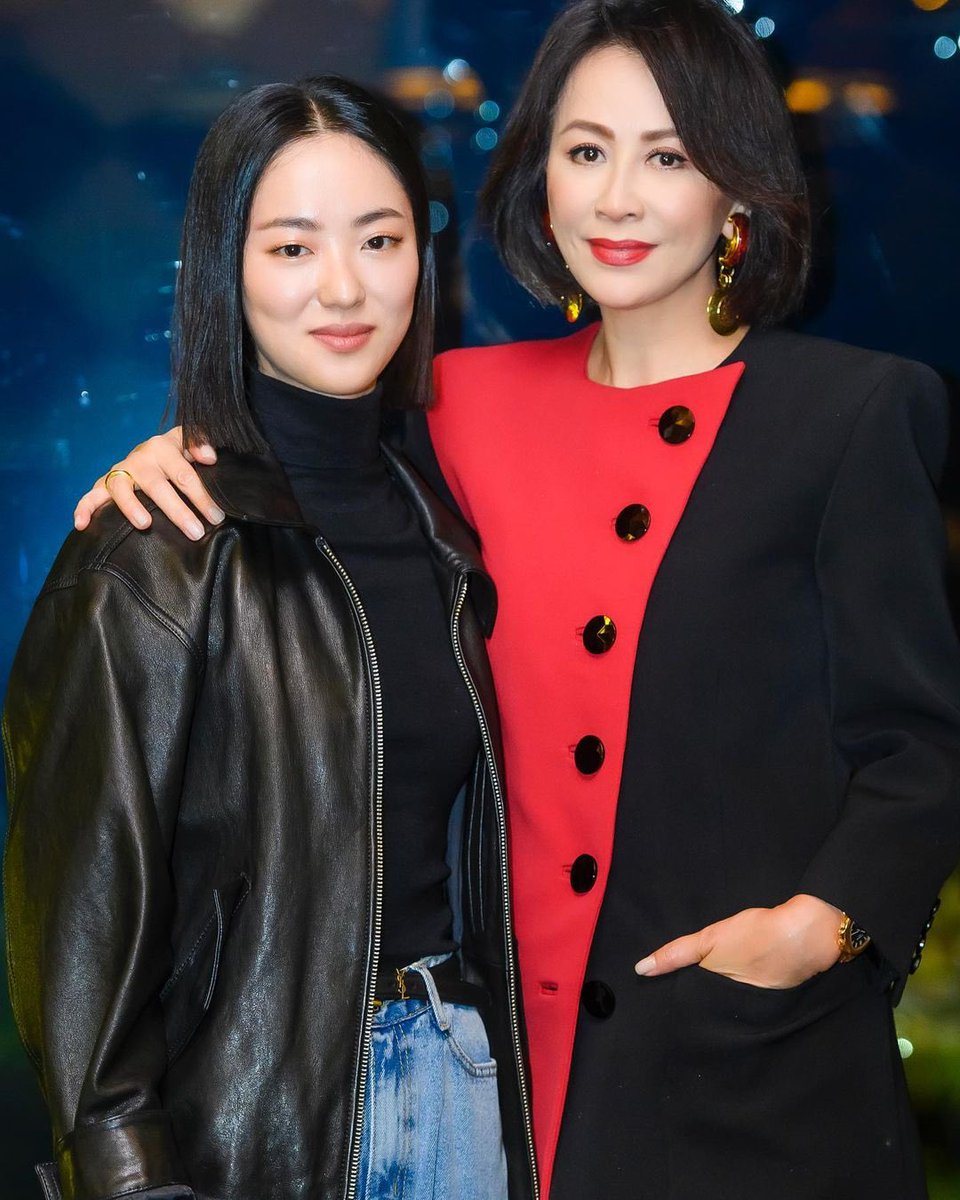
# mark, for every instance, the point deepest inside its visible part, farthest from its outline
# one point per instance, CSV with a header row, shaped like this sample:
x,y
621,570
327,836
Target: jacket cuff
x,y
119,1157
897,929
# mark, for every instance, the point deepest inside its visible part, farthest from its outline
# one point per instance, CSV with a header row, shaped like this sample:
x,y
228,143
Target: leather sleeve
x,y
894,668
95,730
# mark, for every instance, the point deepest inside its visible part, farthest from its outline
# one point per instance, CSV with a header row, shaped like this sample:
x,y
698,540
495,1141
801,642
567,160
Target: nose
x,y
339,284
619,198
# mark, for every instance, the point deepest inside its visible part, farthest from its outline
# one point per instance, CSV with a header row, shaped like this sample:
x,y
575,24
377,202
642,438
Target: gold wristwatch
x,y
851,939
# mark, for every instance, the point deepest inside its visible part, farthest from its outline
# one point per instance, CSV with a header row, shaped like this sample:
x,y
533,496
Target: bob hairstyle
x,y
728,110
213,351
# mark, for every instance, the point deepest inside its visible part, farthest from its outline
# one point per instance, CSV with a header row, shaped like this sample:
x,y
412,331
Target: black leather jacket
x,y
193,884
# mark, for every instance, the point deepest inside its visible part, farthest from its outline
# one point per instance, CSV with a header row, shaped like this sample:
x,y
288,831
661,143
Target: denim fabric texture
x,y
432,1127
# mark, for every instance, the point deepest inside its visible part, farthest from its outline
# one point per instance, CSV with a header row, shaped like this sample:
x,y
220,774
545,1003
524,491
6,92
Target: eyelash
x,y
575,153
383,237
281,251
678,159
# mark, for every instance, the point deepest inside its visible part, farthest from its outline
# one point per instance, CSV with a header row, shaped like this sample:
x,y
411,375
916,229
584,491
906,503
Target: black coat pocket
x,y
795,1093
188,993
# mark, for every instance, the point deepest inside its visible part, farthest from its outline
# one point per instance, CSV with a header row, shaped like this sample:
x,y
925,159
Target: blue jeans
x,y
432,1124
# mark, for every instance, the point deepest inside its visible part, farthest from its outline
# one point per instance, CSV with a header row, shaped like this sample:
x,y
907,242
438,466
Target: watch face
x,y
859,938
853,940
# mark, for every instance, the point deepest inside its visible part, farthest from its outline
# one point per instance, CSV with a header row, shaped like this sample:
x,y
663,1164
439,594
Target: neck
x,y
656,342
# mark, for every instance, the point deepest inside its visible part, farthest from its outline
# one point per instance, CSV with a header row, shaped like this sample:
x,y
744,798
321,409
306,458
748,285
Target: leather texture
x,y
191,752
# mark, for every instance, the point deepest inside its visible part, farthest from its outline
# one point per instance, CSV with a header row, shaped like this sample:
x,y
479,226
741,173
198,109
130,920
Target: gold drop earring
x,y
723,319
572,306
570,302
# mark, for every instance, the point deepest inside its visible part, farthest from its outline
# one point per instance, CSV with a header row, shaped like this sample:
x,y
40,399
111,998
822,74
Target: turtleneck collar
x,y
315,430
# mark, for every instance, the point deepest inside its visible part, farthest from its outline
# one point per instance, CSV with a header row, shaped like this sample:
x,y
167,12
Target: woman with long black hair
x,y
238,958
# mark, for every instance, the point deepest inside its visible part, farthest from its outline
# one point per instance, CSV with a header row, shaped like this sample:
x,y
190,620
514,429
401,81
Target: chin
x,y
619,301
339,383
345,387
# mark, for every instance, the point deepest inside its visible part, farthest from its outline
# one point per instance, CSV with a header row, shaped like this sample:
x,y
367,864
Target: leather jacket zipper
x,y
376,878
373,956
504,879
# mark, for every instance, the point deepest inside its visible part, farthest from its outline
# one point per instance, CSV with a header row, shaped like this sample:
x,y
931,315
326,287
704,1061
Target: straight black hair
x,y
212,348
728,110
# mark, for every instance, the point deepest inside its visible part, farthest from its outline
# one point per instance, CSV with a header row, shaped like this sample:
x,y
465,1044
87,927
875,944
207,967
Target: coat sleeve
x,y
95,728
894,668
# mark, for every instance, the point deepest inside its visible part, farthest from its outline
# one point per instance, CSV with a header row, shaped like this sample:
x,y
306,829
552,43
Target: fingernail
x,y
215,515
140,521
195,530
645,965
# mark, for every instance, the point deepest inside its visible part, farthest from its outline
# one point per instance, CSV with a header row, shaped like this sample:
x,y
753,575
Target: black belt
x,y
403,984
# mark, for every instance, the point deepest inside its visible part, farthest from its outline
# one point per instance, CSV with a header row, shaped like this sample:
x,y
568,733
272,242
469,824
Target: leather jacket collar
x,y
254,487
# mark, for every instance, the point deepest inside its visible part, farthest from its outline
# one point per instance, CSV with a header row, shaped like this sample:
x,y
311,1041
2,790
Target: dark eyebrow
x,y
291,223
652,135
378,214
589,127
310,226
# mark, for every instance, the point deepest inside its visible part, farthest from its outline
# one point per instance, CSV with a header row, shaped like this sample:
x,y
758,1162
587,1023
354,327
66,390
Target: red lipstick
x,y
619,254
343,338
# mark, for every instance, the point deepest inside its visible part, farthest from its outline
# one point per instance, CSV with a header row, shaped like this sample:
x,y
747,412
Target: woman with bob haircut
x,y
239,959
727,673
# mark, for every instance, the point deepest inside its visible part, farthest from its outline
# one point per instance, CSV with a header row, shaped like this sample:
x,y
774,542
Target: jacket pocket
x,y
188,993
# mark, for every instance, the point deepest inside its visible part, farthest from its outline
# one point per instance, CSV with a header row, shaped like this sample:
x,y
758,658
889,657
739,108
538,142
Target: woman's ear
x,y
727,230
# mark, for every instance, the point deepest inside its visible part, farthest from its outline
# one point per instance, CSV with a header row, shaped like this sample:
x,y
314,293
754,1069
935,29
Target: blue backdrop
x,y
104,103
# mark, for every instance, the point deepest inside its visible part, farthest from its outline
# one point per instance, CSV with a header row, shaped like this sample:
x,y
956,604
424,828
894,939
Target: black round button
x,y
599,634
598,999
588,754
583,873
632,522
676,424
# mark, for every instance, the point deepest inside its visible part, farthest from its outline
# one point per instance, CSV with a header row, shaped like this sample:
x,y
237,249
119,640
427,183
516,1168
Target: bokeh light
x,y
930,5
438,104
764,27
456,70
485,139
439,216
413,86
735,5
489,110
809,95
869,99
215,16
944,47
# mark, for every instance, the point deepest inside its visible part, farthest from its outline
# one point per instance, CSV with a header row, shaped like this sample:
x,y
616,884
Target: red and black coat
x,y
778,712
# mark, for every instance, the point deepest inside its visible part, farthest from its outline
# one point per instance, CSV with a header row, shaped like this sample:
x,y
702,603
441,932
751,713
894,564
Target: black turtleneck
x,y
329,448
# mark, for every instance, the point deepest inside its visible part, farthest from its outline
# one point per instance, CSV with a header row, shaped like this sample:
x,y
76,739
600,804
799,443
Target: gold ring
x,y
118,471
